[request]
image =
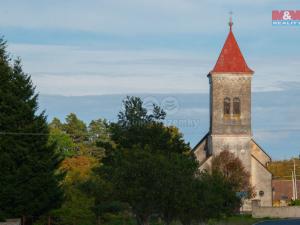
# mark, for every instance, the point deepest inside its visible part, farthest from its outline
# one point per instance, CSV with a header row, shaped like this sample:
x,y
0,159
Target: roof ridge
x,y
262,164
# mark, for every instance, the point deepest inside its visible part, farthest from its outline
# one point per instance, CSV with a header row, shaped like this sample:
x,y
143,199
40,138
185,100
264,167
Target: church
x,y
230,120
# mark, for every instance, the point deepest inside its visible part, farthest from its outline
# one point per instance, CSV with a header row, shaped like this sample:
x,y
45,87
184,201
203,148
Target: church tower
x,y
230,103
230,119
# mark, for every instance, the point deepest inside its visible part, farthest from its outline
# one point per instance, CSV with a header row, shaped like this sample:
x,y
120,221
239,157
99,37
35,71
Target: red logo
x,y
286,15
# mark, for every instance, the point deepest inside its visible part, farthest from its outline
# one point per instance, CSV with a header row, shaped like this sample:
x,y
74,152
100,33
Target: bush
x,y
295,202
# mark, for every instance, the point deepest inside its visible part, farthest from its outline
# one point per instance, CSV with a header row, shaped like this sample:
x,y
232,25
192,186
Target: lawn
x,y
236,220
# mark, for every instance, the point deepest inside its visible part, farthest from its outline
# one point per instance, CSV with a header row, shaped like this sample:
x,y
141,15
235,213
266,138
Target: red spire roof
x,y
231,59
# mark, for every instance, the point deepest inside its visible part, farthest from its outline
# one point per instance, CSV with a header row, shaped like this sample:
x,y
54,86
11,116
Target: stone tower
x,y
230,119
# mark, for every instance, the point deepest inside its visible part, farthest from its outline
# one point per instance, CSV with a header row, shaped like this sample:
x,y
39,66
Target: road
x,y
281,222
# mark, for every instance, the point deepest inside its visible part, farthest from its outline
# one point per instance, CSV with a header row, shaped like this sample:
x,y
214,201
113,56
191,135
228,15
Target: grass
x,y
233,220
236,220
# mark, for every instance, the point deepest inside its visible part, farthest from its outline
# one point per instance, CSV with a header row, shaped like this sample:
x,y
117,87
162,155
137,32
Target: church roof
x,y
231,59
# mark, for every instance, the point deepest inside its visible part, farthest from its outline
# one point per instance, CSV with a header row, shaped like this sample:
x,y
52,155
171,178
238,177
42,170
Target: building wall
x,y
261,179
206,165
283,189
230,132
200,150
230,85
236,144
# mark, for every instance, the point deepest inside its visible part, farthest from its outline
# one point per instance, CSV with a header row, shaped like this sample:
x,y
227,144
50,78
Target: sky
x,y
104,47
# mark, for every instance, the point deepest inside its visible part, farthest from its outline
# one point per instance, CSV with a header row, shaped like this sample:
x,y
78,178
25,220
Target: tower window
x,y
236,106
226,106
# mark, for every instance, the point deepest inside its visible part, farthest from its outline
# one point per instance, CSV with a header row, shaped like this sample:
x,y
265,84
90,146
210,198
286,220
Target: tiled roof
x,y
231,58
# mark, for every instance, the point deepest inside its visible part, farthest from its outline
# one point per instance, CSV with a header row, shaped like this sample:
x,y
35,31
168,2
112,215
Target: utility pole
x,y
295,180
293,185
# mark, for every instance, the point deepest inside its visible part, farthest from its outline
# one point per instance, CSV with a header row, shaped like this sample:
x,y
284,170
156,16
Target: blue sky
x,y
102,47
96,47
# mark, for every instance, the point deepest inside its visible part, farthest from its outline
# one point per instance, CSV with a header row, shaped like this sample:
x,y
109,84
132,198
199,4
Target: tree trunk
x,y
167,220
49,220
186,222
23,220
142,219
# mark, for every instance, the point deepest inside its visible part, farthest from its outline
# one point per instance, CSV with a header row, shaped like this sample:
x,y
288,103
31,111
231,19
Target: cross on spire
x,y
230,20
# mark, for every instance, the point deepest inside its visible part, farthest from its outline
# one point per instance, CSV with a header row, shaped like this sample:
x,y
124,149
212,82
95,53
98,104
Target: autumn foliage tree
x,y
232,169
75,141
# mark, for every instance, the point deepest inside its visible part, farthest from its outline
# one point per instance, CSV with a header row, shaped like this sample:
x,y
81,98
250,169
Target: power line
x,y
24,134
41,134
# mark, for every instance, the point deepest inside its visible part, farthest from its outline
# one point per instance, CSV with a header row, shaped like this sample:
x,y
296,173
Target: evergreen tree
x,y
76,128
28,179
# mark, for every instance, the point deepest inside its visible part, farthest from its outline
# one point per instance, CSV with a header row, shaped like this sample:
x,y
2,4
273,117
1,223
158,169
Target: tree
x,y
137,126
281,169
148,164
76,128
136,181
77,207
28,176
56,124
98,131
232,169
178,191
77,144
218,196
134,124
78,169
207,196
63,143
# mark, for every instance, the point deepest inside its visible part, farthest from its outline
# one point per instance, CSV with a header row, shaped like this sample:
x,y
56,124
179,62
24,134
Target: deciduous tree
x,y
232,169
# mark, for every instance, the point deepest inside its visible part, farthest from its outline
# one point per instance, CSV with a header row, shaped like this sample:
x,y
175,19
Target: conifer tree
x,y
29,183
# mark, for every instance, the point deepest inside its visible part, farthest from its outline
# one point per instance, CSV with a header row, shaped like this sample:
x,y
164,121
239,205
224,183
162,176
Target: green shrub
x,y
295,202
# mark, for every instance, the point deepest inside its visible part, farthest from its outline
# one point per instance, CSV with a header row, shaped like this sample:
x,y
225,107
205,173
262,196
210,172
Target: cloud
x,y
144,45
131,17
69,70
270,136
79,70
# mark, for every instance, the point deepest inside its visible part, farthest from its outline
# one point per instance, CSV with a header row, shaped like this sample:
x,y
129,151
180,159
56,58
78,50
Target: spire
x,y
230,21
231,59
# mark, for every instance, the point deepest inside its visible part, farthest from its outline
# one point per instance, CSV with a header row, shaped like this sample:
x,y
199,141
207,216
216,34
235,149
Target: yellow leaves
x,y
78,169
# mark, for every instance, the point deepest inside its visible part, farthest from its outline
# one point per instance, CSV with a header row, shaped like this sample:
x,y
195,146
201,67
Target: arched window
x,y
236,106
226,106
